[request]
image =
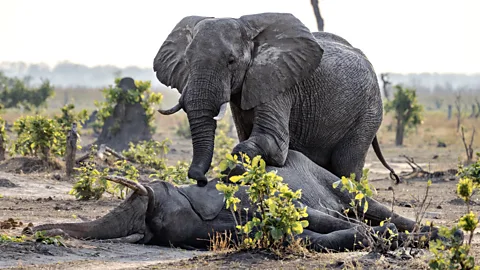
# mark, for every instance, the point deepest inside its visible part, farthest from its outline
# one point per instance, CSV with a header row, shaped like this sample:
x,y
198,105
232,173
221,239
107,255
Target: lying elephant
x,y
160,213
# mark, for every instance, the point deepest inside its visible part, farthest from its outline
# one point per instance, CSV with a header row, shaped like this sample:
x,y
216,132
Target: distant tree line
x,y
67,74
16,92
71,75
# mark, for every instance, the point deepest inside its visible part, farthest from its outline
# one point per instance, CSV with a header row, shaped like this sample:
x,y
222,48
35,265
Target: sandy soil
x,y
40,198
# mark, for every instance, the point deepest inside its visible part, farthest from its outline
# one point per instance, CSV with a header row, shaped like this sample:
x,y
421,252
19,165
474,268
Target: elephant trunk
x,y
203,136
203,103
126,219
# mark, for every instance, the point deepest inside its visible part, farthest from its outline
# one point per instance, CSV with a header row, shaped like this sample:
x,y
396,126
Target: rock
x,y
6,183
441,145
434,215
405,204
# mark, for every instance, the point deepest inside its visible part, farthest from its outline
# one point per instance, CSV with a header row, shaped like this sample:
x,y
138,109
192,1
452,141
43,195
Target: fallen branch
x,y
418,171
105,149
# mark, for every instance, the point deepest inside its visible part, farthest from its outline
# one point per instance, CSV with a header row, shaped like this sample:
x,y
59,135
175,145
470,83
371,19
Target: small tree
x,y
408,112
468,147
15,92
38,136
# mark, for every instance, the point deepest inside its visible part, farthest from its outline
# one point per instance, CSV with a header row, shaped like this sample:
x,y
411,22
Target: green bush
x,y
360,191
11,239
92,183
149,154
38,136
68,117
177,174
114,94
38,237
452,253
277,220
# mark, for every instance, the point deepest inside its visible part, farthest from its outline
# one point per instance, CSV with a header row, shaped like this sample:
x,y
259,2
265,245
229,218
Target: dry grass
x,y
436,127
222,242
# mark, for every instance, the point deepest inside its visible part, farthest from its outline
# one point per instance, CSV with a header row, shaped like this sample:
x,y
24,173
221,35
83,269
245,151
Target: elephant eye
x,y
231,60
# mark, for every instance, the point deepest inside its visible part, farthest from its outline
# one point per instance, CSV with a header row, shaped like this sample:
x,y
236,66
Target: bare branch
x,y
318,16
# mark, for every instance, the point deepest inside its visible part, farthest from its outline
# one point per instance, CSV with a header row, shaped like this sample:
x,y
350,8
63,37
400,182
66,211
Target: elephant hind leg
x,y
320,222
349,156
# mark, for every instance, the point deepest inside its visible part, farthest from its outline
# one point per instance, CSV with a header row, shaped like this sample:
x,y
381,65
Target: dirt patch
x,y
259,260
87,255
28,165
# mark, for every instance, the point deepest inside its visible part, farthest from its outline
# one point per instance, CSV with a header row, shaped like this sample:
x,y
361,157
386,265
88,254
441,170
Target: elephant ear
x,y
206,201
285,53
169,63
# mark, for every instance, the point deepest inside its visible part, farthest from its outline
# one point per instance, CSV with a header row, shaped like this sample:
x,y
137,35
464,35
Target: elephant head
x,y
208,60
125,221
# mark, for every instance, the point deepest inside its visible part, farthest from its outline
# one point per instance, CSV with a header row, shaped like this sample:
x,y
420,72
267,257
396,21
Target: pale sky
x,y
396,35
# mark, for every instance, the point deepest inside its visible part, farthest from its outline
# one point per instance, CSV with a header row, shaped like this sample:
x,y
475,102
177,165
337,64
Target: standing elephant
x,y
288,88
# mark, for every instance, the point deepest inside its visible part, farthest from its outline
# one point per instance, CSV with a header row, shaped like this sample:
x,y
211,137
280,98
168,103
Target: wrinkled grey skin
x,y
287,89
186,216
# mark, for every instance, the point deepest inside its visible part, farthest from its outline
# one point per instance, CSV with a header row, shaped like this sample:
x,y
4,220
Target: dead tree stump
x,y
2,148
128,122
71,150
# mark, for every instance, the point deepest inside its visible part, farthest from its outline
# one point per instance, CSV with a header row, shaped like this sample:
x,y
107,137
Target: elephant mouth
x,y
177,107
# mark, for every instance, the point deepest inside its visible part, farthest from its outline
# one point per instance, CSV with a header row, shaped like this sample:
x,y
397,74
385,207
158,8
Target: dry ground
x,y
39,198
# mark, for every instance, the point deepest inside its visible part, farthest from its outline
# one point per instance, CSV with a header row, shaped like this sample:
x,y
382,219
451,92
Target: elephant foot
x,y
386,237
427,234
198,175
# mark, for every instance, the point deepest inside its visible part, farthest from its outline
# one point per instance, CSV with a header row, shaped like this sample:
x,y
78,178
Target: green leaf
x,y
359,196
335,184
304,223
236,178
365,207
277,233
297,227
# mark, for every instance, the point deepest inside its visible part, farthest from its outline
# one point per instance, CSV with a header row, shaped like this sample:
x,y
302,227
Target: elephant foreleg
x,y
270,134
344,240
378,212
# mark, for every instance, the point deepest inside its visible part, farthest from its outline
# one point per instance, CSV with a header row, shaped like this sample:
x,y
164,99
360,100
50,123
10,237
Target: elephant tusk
x,y
172,110
128,183
221,113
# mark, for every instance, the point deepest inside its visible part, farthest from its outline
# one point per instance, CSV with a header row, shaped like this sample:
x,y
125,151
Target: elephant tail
x,y
378,152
